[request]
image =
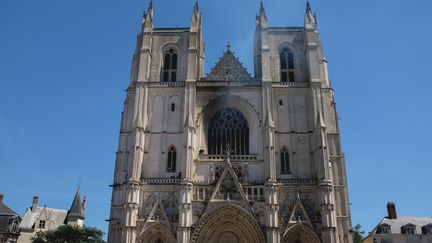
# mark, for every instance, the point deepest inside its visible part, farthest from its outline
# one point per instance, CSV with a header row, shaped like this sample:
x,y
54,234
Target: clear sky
x,y
64,66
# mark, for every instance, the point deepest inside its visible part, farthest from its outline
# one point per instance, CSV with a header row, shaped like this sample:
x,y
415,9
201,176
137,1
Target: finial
x,y
196,5
308,5
228,46
79,185
228,149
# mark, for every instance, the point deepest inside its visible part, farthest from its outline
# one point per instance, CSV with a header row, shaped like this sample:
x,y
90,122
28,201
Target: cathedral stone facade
x,y
229,156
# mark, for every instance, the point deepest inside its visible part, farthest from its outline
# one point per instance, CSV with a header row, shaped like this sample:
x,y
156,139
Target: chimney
x,y
391,210
84,202
1,197
34,204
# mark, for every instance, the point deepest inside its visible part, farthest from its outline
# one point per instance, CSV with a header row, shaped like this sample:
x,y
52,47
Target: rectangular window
x,y
173,76
165,76
291,77
284,77
42,224
172,106
280,102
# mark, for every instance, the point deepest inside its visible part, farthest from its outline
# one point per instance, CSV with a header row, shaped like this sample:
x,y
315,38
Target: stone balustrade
x,y
222,157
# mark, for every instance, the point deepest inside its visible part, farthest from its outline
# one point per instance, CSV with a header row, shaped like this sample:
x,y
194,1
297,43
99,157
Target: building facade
x,y
41,218
229,156
394,229
9,223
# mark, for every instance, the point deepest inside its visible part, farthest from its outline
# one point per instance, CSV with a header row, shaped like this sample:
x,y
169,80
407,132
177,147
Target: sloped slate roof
x,y
5,210
228,68
76,208
396,224
53,217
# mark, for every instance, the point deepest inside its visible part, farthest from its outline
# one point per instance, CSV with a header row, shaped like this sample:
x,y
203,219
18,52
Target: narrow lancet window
x,y
287,70
284,159
172,159
169,67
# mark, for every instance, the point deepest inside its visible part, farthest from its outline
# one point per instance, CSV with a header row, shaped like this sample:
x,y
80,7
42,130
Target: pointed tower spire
x,y
195,22
310,20
262,17
148,17
308,6
75,215
196,7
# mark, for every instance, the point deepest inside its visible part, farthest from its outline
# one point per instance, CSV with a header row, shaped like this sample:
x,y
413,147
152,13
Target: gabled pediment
x,y
299,214
157,215
228,68
228,187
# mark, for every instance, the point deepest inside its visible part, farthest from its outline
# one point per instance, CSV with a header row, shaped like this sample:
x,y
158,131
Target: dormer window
x,y
287,67
42,224
408,229
427,229
384,229
169,66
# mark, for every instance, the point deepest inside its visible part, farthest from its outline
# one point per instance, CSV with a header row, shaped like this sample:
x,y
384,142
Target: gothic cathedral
x,y
229,157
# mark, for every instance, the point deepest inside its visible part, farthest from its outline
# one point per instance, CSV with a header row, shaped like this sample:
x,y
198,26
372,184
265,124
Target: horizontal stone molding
x,y
166,84
229,84
298,181
291,84
295,29
222,157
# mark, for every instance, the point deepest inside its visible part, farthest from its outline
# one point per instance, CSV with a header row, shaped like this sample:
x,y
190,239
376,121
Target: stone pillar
x,y
185,213
272,212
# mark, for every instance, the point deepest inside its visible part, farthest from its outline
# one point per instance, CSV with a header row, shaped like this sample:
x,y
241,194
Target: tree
x,y
358,234
70,234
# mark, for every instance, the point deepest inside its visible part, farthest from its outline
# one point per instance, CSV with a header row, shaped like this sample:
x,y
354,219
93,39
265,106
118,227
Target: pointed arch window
x,y
284,160
172,159
169,66
228,125
287,68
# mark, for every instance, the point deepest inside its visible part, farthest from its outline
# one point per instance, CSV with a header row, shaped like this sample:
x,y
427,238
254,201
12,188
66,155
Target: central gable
x,y
228,68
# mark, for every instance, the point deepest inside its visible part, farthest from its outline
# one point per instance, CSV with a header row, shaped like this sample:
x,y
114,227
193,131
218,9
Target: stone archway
x,y
300,233
228,223
156,233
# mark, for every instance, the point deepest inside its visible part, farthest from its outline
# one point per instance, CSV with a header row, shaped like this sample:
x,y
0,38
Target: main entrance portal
x,y
228,223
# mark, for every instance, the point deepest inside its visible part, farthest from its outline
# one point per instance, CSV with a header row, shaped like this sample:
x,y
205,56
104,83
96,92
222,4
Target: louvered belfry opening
x,y
228,125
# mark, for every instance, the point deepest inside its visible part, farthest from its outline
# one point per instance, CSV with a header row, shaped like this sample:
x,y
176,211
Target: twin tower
x,y
229,157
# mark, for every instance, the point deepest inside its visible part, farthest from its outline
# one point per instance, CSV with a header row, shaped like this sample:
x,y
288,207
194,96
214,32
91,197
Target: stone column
x,y
185,213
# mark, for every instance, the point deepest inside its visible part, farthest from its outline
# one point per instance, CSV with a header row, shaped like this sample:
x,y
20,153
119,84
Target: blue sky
x,y
64,66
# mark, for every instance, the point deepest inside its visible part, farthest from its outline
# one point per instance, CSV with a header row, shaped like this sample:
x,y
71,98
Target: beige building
x,y
41,218
229,156
394,229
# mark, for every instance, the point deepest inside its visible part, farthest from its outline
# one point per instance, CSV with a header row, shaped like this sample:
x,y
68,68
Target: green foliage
x,y
70,234
358,234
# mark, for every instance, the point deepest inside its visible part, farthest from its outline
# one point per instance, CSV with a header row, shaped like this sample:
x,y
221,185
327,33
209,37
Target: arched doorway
x,y
300,233
156,233
228,223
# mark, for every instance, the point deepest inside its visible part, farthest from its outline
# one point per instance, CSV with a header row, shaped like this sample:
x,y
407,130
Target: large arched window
x,y
169,66
287,66
172,159
284,160
228,125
